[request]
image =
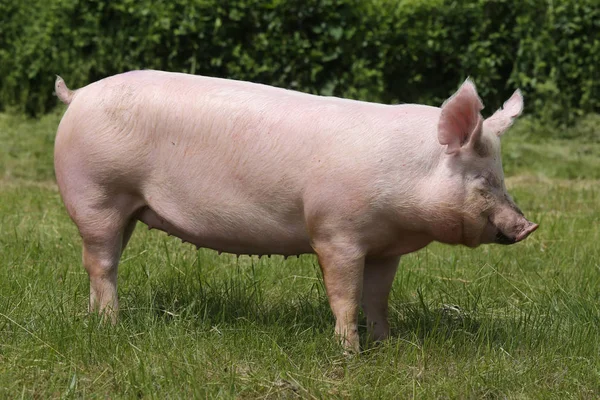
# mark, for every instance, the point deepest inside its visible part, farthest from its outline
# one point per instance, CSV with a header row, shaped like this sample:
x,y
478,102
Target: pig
x,y
252,169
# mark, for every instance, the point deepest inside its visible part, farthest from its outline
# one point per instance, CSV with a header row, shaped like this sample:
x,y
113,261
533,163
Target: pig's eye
x,y
482,184
482,180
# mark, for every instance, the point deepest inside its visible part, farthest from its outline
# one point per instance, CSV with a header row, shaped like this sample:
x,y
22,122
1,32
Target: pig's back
x,y
237,129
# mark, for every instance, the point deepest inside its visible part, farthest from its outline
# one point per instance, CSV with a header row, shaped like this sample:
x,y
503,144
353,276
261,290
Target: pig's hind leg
x,y
105,228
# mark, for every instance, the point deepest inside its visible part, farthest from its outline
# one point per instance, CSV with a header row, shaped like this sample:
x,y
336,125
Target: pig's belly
x,y
229,233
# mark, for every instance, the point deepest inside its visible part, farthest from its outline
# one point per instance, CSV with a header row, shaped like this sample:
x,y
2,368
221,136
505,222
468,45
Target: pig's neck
x,y
437,197
442,203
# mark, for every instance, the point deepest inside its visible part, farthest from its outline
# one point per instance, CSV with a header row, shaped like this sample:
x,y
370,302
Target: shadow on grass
x,y
240,301
230,302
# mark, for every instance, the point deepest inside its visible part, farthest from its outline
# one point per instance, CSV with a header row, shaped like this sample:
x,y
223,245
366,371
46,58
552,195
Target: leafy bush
x,y
376,50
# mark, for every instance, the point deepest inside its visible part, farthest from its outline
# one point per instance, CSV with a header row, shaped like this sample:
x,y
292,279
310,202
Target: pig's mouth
x,y
501,238
519,234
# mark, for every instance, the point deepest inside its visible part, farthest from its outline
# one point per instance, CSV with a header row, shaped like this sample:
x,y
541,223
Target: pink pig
x,y
252,169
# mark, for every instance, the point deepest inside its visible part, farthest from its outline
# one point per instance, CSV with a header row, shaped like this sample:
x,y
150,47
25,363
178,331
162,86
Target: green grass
x,y
518,322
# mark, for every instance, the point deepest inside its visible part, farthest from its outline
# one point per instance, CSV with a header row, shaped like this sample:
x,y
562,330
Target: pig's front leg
x,y
343,277
378,278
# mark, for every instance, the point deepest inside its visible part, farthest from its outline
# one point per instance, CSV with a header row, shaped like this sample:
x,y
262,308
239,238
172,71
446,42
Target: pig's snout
x,y
526,231
520,234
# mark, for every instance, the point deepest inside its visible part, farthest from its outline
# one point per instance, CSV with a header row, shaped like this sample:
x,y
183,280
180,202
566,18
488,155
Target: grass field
x,y
497,322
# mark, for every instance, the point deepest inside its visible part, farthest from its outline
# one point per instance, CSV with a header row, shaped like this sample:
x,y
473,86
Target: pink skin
x,y
252,169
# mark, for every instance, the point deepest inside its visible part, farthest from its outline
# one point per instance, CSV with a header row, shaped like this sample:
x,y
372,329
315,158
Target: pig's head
x,y
473,168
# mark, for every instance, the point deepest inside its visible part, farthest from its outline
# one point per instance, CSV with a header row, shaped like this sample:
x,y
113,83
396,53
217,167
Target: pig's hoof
x,y
350,353
374,343
350,347
378,333
107,316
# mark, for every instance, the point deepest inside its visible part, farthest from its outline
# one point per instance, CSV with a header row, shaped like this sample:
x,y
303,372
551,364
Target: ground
x,y
516,321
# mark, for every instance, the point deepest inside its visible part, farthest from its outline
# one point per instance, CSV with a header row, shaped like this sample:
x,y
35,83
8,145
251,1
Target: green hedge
x,y
376,50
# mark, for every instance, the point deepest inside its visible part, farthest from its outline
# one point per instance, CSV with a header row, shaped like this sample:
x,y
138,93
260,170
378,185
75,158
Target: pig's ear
x,y
460,120
504,117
